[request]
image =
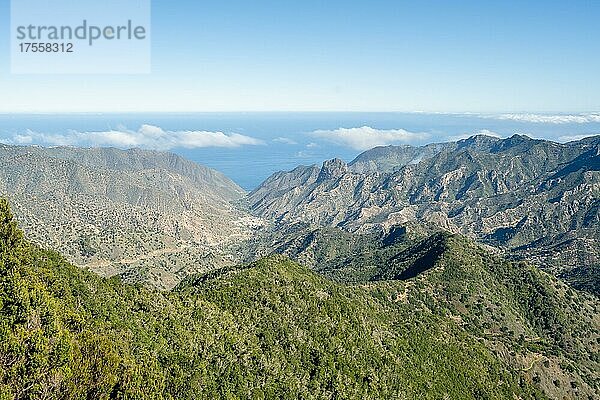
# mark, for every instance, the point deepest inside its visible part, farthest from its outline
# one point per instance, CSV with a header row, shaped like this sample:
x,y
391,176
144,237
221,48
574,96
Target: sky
x,y
433,56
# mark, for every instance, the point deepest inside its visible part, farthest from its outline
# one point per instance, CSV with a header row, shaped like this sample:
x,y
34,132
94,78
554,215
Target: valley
x,y
470,325
466,269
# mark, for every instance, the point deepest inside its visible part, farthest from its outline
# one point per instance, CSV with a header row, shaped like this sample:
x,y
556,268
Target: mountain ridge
x,y
144,215
276,329
504,192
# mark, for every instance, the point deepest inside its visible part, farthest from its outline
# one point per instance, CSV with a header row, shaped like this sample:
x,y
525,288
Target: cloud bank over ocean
x,y
572,138
365,137
548,118
251,146
147,136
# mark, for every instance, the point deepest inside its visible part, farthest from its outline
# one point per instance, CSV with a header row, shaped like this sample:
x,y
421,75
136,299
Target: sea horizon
x,y
250,146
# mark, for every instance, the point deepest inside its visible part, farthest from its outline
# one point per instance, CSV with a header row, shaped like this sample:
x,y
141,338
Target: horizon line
x,y
544,112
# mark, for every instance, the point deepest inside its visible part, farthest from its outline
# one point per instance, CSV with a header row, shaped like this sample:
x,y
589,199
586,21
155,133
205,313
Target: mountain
x,y
149,216
213,182
522,195
390,158
144,215
470,325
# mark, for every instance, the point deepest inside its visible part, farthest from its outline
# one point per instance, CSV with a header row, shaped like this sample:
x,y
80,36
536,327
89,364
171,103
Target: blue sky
x,y
478,56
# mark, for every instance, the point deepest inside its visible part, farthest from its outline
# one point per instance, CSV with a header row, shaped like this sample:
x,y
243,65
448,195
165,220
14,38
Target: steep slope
x,y
390,158
471,326
528,318
519,194
143,215
335,253
214,183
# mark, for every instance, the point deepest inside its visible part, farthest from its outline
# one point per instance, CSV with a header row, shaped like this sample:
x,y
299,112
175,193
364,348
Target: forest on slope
x,y
275,329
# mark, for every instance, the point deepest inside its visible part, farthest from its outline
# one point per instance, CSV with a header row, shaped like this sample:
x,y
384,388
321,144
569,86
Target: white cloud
x,y
303,154
147,136
485,132
549,119
23,139
285,140
365,138
572,138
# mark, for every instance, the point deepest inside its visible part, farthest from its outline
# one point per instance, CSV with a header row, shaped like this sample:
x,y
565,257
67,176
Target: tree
x,y
10,235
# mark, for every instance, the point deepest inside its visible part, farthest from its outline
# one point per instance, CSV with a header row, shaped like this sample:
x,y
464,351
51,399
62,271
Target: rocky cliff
x,y
535,199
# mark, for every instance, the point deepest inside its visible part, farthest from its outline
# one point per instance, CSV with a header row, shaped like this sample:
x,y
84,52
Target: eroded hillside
x,y
145,216
537,200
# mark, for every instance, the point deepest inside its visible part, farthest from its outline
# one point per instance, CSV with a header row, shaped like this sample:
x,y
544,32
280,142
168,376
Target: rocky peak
x,y
478,143
332,169
515,140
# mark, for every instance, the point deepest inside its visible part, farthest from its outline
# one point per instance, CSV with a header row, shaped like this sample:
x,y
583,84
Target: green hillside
x,y
273,329
526,317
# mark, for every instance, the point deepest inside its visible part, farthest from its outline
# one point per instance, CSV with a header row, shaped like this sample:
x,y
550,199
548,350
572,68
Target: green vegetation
x,y
271,330
526,316
340,255
467,324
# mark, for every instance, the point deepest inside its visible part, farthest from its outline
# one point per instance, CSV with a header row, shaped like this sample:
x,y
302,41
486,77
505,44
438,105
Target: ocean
x,y
252,146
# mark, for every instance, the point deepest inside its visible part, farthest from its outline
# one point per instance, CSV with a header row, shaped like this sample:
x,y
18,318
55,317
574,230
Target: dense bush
x,y
272,330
